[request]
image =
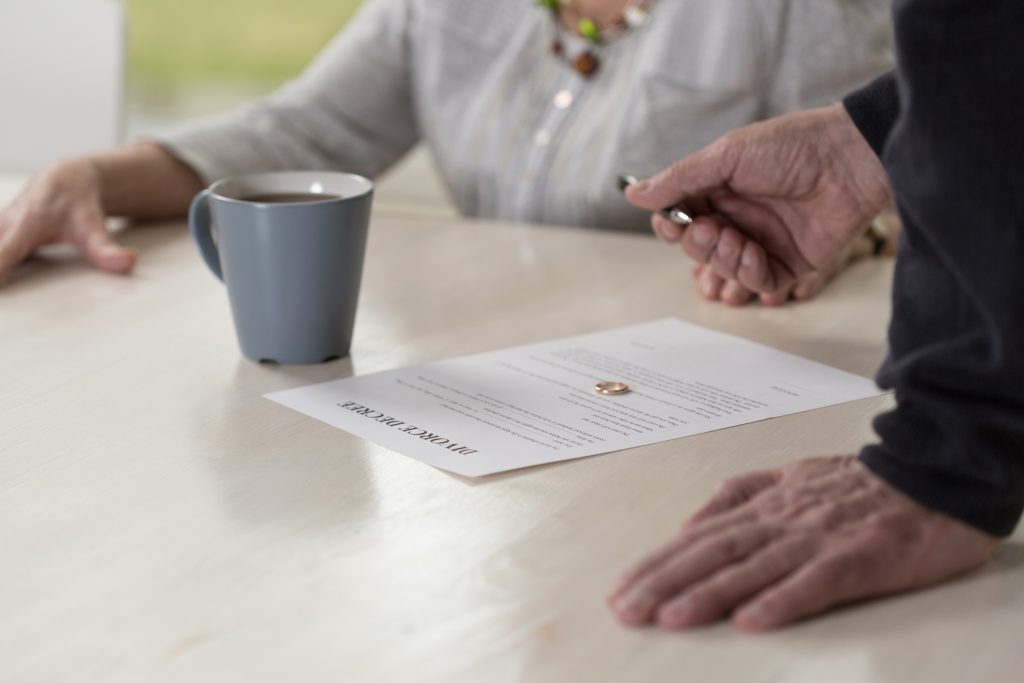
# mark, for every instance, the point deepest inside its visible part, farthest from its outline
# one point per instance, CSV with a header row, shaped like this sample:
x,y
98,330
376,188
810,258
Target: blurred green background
x,y
184,52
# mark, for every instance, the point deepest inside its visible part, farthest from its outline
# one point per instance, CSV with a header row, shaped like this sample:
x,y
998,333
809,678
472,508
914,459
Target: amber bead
x,y
586,64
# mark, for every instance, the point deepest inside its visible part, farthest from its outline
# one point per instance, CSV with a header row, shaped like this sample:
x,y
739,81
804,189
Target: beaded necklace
x,y
587,62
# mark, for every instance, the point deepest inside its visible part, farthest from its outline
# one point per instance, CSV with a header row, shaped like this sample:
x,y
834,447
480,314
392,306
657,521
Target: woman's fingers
x,y
14,248
90,233
60,204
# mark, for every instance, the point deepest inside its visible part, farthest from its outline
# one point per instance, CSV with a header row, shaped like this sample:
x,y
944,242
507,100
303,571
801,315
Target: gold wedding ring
x,y
611,388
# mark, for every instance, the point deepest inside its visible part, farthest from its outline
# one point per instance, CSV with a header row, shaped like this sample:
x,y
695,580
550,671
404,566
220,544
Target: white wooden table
x,y
160,521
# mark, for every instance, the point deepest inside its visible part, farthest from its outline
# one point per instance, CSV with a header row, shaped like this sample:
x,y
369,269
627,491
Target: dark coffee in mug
x,y
290,197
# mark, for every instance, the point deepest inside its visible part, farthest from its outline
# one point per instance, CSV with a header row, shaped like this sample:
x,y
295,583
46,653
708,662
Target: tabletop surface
x,y
160,520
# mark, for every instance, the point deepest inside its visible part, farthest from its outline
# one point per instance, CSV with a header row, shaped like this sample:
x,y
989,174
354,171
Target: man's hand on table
x,y
61,204
714,287
774,547
775,203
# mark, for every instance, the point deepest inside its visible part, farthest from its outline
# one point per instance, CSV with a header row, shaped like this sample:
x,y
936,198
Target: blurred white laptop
x,y
61,79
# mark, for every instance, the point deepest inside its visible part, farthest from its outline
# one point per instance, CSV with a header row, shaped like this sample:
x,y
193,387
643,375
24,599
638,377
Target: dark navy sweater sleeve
x,y
955,159
874,109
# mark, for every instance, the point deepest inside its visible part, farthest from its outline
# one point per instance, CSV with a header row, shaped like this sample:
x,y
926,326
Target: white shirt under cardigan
x,y
516,132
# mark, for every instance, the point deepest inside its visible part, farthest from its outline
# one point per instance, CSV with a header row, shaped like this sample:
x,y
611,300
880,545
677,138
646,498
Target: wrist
x,y
860,166
143,180
118,174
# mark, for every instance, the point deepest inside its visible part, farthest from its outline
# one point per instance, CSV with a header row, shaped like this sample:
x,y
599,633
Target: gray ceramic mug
x,y
292,268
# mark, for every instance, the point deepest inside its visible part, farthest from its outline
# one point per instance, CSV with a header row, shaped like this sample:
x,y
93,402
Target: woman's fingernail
x,y
749,260
641,186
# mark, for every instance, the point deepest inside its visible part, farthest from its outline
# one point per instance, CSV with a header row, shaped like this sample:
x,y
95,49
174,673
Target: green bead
x,y
549,4
589,30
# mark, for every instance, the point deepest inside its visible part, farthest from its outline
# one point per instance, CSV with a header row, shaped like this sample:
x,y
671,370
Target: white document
x,y
535,404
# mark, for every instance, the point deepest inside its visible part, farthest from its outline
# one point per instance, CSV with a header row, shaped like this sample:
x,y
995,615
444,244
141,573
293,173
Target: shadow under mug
x,y
292,268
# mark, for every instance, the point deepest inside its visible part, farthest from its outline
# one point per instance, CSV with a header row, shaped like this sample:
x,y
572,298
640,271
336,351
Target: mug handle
x,y
200,225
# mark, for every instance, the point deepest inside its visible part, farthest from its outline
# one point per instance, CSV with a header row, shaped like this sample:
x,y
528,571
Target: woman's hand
x,y
70,202
61,204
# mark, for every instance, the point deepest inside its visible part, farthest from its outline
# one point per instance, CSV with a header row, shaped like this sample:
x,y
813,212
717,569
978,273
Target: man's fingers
x,y
709,283
713,287
709,240
815,534
666,230
822,583
99,247
871,565
719,524
715,597
735,294
689,180
761,223
754,272
726,256
808,287
775,298
700,239
732,493
639,604
762,274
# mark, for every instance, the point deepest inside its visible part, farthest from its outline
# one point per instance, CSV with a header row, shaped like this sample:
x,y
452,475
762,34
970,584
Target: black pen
x,y
678,214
